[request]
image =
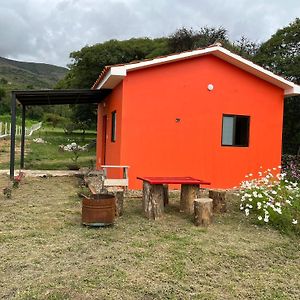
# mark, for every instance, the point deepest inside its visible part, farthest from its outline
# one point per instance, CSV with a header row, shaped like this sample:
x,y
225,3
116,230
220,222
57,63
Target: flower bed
x,y
272,199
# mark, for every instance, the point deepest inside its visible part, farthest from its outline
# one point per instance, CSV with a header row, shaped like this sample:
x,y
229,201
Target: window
x,y
113,125
235,130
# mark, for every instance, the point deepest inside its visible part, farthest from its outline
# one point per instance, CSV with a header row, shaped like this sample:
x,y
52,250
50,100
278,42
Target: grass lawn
x,y
48,156
46,253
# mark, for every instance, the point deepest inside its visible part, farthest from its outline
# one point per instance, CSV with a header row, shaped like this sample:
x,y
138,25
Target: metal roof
x,y
59,97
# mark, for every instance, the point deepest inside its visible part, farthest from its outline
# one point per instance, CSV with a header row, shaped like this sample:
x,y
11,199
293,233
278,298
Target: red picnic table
x,y
155,194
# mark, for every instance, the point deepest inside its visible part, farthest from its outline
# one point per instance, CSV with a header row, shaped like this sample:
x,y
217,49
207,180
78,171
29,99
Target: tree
x,y
281,54
246,48
188,39
2,93
4,104
90,60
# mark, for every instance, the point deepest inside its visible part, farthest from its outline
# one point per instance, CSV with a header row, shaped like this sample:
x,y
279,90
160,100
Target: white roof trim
x,y
116,74
113,76
294,91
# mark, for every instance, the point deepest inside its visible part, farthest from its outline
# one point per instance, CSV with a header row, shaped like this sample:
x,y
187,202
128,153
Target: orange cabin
x,y
206,113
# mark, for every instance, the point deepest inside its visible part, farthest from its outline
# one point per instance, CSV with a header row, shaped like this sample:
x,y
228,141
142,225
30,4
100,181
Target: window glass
x,y
242,131
227,135
113,125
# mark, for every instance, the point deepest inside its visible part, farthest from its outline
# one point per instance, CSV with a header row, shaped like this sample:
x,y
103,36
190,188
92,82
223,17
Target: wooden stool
x,y
219,203
203,211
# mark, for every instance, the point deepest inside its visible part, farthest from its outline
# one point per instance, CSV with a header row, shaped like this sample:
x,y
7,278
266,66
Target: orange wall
x,y
113,149
154,144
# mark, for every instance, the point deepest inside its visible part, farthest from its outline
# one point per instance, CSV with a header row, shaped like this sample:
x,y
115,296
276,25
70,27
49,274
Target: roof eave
x,y
293,91
113,77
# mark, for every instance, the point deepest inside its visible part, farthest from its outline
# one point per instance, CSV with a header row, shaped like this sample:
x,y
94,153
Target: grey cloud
x,y
47,31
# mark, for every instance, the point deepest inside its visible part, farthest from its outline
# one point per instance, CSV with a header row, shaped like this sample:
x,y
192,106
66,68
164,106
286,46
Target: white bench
x,y
119,182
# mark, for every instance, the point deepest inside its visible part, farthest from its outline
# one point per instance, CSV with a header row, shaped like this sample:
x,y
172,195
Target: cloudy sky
x,y
48,30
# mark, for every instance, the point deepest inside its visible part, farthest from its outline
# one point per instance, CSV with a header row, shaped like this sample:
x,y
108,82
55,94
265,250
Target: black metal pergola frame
x,y
45,97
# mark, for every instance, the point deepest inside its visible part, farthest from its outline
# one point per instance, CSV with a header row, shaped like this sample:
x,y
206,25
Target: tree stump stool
x,y
203,211
153,200
188,194
219,203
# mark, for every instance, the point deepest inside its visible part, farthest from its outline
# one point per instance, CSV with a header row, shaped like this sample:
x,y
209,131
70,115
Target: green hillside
x,y
28,75
17,75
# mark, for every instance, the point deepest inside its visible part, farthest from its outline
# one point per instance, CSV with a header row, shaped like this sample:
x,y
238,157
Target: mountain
x,y
29,75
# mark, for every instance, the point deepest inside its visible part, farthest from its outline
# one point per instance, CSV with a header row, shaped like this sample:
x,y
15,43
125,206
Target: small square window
x,y
113,126
235,130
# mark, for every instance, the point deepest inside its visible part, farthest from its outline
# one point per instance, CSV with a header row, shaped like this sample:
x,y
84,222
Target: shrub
x,y
54,119
272,199
75,149
69,128
291,166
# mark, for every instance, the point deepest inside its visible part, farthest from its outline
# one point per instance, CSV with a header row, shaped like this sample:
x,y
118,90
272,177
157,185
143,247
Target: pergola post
x,y
23,132
13,135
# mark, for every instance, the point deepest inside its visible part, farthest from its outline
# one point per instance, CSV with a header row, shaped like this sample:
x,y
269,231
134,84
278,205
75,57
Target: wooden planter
x,y
98,210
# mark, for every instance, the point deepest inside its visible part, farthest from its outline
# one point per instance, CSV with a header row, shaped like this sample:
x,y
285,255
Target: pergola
x,y
45,97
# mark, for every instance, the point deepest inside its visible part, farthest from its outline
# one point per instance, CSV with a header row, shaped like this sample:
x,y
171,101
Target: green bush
x,y
291,166
69,128
54,120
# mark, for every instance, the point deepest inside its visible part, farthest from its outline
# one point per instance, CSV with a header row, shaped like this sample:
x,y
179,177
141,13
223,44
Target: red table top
x,y
173,180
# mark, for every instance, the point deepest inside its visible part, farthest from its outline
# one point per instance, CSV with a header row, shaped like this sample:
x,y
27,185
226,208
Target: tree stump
x,y
166,194
188,194
203,211
119,203
153,200
219,203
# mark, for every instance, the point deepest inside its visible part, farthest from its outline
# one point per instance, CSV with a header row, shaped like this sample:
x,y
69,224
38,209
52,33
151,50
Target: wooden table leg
x,y
166,194
153,200
189,192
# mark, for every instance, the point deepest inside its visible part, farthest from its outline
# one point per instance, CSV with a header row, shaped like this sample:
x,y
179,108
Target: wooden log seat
x,y
219,201
203,211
